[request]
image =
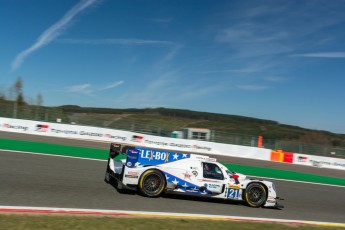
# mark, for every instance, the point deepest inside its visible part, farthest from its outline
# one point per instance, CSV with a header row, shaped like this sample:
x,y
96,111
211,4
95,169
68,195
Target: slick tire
x,y
107,176
152,183
255,195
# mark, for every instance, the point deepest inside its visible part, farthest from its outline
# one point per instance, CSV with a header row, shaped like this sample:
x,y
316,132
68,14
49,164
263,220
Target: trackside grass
x,y
54,222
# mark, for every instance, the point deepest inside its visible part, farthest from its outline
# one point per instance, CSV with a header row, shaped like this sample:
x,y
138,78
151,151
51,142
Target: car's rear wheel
x,y
152,183
255,195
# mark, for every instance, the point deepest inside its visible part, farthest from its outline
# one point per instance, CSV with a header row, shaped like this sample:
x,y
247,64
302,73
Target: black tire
x,y
255,195
107,176
152,183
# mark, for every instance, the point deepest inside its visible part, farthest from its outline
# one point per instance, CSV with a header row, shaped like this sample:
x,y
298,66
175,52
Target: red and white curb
x,y
122,213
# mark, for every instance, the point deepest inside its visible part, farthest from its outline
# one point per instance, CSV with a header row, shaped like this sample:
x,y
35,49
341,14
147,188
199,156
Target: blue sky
x,y
279,60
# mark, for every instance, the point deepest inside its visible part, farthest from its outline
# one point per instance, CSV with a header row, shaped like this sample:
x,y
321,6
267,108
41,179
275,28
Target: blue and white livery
x,y
154,171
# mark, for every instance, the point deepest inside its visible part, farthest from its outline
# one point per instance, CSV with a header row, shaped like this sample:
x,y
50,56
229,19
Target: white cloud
x,y
89,89
112,85
158,89
252,39
170,55
52,32
249,34
275,79
163,81
252,87
322,55
115,41
79,88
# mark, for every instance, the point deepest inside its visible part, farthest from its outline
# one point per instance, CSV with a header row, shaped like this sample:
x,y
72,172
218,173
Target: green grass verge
x,y
31,222
285,174
46,148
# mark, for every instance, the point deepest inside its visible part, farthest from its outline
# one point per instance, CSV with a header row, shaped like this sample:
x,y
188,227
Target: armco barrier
x,y
110,135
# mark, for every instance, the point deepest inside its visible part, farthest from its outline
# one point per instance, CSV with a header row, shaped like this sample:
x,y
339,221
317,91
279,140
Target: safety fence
x,y
161,128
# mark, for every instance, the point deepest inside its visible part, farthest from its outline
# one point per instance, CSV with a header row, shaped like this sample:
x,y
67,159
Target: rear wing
x,y
143,156
117,149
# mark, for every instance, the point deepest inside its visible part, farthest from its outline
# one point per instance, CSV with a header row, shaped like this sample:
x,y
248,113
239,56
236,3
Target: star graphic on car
x,y
175,181
175,156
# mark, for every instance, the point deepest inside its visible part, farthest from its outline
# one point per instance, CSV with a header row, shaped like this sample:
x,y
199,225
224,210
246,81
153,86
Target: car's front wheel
x,y
255,195
152,183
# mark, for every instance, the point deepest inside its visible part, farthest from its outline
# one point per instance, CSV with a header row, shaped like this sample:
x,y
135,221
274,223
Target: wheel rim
x,y
256,195
152,183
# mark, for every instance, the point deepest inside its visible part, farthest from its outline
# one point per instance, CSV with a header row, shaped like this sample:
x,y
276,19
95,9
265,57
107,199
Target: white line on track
x,y
53,155
304,182
91,159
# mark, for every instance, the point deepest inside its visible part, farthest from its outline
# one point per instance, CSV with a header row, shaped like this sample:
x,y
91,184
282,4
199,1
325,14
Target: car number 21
x,y
233,193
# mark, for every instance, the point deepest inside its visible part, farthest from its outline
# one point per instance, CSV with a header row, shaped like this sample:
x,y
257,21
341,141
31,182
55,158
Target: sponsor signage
x,y
178,145
115,137
172,144
136,138
42,128
319,161
81,133
64,131
130,174
154,157
302,159
132,158
15,127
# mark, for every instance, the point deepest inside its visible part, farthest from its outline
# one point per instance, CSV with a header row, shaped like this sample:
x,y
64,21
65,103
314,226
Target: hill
x,y
167,120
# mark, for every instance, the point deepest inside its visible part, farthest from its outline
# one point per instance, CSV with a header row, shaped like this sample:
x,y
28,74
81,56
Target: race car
x,y
152,172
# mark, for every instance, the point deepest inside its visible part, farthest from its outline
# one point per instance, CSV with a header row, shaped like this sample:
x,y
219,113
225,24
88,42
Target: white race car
x,y
154,171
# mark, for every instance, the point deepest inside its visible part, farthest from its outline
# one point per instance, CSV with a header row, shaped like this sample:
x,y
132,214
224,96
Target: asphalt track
x,y
50,181
233,160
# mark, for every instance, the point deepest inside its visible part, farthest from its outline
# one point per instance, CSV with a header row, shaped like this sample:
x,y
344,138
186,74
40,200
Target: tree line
x,y
16,95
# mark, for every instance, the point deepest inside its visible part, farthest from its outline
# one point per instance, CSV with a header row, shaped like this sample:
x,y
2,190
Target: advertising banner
x,y
319,161
173,144
196,146
63,130
15,125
